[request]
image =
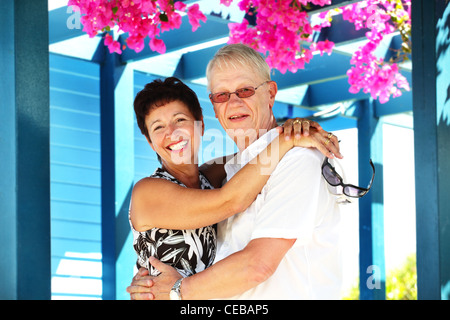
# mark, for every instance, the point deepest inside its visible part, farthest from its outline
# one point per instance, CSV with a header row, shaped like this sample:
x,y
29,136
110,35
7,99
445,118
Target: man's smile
x,y
238,117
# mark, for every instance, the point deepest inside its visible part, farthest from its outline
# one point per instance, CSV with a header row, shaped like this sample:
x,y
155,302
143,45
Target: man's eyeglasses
x,y
246,92
335,180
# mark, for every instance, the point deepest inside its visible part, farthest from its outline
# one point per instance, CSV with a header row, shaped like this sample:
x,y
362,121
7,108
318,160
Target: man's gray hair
x,y
236,55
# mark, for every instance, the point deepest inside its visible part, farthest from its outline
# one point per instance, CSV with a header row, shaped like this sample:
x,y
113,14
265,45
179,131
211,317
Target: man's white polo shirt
x,y
294,204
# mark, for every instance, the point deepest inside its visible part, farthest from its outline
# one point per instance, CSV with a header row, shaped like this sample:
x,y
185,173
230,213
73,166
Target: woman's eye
x,y
157,128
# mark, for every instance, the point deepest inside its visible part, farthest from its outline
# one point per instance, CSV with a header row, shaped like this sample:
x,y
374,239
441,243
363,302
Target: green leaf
x,y
163,17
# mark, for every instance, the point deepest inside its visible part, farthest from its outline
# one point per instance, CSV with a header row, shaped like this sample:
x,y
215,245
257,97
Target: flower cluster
x,y
372,74
283,32
138,18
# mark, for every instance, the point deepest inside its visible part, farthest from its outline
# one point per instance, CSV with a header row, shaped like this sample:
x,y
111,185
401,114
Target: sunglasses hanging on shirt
x,y
334,179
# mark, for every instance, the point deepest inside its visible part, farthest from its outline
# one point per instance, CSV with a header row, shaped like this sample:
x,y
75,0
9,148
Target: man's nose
x,y
234,98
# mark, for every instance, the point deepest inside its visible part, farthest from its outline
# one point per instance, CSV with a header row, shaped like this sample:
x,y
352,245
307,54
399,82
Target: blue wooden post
x,y
107,83
117,154
24,151
371,206
431,107
124,175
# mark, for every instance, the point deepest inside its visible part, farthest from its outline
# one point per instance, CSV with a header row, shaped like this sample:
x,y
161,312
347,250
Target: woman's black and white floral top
x,y
189,251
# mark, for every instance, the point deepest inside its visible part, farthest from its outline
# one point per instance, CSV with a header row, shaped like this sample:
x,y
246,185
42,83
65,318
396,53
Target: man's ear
x,y
273,89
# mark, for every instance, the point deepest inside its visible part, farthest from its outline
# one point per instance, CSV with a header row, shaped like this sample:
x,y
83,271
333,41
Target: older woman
x,y
173,212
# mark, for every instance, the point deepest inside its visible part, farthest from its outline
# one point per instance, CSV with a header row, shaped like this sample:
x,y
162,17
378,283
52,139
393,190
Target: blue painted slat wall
x,y
75,179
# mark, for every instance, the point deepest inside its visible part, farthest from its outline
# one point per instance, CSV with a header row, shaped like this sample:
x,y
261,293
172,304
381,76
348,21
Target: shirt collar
x,y
245,156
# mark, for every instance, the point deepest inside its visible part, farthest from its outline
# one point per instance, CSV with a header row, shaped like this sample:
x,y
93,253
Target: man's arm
x,y
299,186
238,272
233,275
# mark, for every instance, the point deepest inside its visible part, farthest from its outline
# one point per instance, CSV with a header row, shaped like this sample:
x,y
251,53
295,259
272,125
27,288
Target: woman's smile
x,y
178,146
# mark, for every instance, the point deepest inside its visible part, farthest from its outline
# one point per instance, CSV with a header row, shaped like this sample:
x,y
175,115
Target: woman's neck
x,y
186,174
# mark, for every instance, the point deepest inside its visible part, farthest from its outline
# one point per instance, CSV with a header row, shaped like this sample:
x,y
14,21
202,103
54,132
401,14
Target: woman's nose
x,y
169,130
174,133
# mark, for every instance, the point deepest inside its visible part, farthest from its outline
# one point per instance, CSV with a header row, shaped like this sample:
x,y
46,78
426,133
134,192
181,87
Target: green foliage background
x,y
401,283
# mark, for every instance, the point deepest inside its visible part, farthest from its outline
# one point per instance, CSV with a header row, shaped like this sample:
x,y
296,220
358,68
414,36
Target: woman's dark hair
x,y
159,93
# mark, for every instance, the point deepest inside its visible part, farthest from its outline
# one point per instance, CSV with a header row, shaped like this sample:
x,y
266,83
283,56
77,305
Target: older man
x,y
286,244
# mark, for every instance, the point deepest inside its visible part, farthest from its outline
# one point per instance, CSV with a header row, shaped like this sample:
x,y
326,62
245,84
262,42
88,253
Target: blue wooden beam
x,y
24,151
431,105
371,206
341,32
181,38
336,90
117,163
64,24
124,177
330,92
326,76
334,4
107,123
192,65
319,69
216,25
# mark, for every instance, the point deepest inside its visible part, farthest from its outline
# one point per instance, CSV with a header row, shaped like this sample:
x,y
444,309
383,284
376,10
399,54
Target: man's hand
x,y
140,286
325,142
309,134
163,283
146,287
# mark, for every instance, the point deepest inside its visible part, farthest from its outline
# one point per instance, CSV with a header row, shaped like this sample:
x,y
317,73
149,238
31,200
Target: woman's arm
x,y
163,204
214,169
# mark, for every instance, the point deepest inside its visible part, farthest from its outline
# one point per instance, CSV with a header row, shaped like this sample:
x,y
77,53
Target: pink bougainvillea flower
x,y
323,46
113,46
226,2
195,16
284,32
136,43
157,45
180,6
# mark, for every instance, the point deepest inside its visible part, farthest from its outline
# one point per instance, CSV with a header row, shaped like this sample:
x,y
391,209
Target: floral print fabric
x,y
189,251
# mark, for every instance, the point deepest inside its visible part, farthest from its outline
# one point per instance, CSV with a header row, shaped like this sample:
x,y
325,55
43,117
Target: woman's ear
x,y
149,142
203,127
199,127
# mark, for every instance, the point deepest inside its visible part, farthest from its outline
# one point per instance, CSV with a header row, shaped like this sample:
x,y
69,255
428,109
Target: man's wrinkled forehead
x,y
221,64
236,65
